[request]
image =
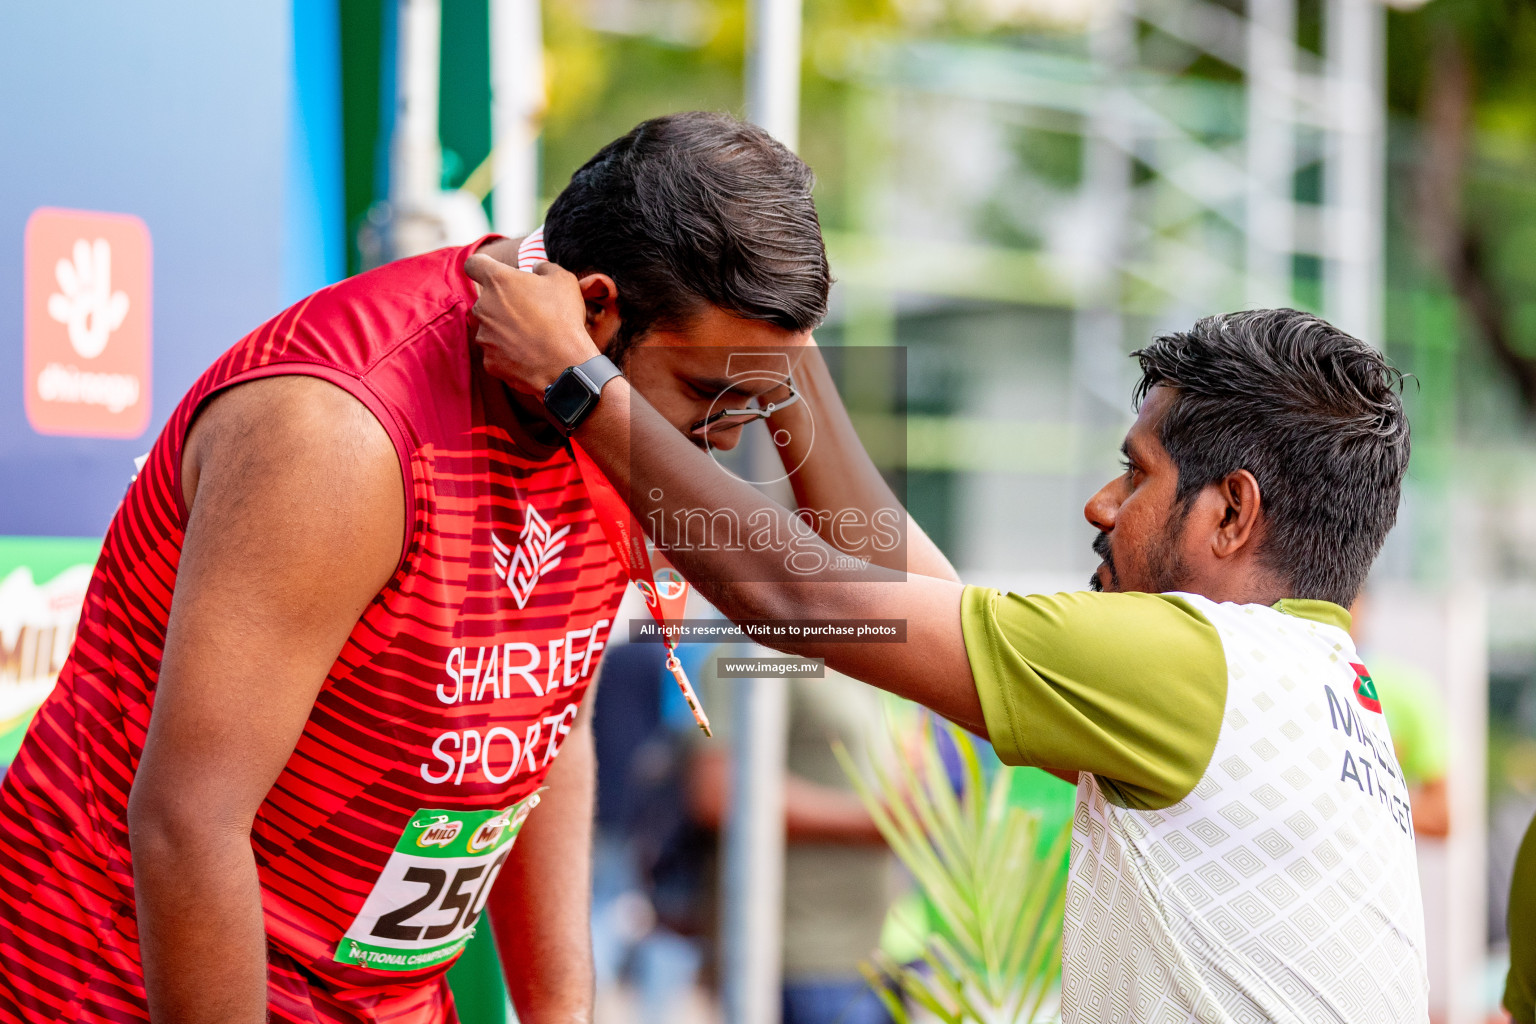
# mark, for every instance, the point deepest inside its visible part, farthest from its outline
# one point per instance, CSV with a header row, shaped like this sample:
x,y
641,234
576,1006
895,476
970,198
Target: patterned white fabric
x,y
531,251
1284,887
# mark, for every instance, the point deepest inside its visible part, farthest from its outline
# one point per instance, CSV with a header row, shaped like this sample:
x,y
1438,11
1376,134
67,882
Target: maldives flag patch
x,y
1365,689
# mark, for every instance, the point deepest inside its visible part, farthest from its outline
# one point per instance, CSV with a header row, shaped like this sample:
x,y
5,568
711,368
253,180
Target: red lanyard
x,y
664,589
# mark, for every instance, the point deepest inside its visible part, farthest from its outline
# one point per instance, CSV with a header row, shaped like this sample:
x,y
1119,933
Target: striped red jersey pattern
x,y
453,691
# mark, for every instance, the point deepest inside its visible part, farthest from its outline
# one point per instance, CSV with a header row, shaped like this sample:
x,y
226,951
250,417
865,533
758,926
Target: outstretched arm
x,y
835,480
531,329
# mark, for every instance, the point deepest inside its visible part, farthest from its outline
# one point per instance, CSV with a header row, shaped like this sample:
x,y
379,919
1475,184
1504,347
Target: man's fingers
x,y
481,268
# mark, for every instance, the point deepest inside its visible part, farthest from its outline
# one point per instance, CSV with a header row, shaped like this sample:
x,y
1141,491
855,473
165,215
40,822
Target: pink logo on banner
x,y
87,342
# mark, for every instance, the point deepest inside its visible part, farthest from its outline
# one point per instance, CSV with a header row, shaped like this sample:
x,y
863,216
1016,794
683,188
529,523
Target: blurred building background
x,y
1018,192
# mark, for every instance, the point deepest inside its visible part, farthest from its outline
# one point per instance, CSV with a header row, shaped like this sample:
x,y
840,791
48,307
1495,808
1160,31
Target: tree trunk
x,y
1455,244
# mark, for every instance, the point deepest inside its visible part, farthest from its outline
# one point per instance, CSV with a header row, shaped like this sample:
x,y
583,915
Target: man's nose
x,y
723,439
1103,507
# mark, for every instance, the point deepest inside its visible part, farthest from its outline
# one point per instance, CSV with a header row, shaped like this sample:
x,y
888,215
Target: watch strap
x,y
597,371
574,394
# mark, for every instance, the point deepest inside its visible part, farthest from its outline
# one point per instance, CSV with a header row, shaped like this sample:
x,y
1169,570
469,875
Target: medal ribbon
x,y
663,587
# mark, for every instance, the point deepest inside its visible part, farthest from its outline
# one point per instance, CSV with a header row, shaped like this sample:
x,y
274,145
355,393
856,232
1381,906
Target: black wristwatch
x,y
573,395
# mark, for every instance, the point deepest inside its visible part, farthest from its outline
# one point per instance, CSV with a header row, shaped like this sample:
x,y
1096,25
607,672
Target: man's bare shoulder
x,y
502,250
287,424
293,451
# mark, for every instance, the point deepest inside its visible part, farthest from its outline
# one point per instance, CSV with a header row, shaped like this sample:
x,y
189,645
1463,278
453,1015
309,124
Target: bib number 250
x,y
424,906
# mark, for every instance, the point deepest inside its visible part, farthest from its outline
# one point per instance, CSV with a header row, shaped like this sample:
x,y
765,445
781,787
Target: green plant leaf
x,y
977,860
879,982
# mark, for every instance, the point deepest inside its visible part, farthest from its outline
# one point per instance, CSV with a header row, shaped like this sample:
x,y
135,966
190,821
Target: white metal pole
x,y
416,158
1466,899
1271,145
1105,209
517,104
754,848
415,154
754,853
1355,185
773,69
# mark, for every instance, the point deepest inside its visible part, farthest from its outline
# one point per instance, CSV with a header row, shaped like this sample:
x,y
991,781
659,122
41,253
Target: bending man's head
x,y
697,232
695,210
1268,453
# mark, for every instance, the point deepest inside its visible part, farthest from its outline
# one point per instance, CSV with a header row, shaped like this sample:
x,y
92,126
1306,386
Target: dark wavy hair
x,y
1313,413
695,208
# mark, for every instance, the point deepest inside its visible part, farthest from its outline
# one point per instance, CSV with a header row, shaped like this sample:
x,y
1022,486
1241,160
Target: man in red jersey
x,y
346,615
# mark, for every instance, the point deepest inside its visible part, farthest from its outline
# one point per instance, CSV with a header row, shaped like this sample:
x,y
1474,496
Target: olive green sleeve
x,y
1520,987
1130,687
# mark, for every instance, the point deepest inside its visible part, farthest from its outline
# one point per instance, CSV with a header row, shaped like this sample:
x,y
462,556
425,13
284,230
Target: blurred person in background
x,y
651,863
347,614
1242,844
837,869
1410,700
1520,986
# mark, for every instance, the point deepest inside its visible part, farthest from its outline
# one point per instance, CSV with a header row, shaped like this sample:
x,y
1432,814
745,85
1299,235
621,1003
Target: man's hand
x,y
531,326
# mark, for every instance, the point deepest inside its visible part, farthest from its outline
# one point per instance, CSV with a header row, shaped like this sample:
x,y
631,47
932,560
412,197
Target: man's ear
x,y
1240,518
602,296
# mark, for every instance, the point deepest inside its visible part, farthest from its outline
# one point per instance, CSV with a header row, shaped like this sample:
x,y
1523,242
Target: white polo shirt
x,y
1242,848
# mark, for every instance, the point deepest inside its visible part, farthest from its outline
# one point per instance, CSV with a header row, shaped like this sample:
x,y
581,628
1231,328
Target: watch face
x,y
568,399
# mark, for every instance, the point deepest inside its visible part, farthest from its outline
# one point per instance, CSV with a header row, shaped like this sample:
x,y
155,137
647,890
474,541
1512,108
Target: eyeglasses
x,y
727,418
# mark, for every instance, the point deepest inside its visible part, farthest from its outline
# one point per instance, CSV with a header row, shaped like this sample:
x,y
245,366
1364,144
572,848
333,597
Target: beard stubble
x,y
1166,569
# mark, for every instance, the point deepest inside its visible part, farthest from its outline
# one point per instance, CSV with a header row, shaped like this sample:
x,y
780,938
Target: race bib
x,y
425,904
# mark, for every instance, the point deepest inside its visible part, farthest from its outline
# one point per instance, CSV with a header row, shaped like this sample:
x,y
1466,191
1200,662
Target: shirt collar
x,y
532,251
1326,612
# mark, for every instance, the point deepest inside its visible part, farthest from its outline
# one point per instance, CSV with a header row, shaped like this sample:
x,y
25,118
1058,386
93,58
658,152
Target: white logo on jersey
x,y
538,551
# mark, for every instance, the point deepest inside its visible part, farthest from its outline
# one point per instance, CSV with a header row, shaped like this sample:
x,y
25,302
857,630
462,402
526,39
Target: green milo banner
x,y
42,587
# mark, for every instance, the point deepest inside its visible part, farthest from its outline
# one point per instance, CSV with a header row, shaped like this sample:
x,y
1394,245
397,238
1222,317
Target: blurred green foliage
x,y
601,83
993,876
611,64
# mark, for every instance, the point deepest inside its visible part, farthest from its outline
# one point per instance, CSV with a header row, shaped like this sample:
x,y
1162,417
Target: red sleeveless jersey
x,y
377,846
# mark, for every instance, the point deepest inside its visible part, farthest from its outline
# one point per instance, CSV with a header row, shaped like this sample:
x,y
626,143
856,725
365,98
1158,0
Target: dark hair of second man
x,y
1312,412
690,209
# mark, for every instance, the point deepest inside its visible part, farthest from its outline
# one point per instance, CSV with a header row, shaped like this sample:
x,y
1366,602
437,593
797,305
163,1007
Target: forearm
x,y
835,480
820,814
540,908
783,571
531,330
201,931
779,570
813,813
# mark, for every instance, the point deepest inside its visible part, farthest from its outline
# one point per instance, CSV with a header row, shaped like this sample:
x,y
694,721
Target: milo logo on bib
x,y
442,832
424,906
